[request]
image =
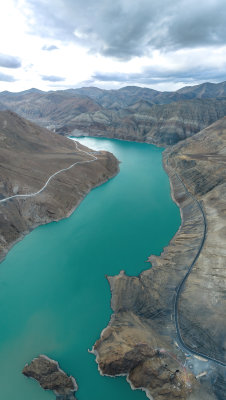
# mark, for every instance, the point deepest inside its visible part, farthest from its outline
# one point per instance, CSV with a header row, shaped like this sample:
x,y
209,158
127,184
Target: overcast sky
x,y
163,44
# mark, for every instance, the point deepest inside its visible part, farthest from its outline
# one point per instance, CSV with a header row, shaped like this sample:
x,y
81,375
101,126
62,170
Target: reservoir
x,y
54,297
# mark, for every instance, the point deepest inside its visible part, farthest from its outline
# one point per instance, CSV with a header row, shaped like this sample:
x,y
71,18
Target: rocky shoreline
x,y
143,306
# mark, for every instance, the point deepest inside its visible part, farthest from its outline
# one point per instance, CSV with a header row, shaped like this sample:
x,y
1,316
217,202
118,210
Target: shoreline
x,y
114,138
4,253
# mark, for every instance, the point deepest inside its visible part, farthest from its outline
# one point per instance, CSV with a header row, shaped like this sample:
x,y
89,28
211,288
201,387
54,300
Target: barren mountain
x,y
29,155
129,95
55,110
158,124
203,91
201,163
121,98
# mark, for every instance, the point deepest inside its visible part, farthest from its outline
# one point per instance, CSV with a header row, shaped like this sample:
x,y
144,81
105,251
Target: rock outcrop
x,y
50,377
141,340
29,155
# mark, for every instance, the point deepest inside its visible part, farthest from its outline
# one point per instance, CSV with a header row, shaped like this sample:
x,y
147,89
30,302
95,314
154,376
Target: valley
x,y
173,313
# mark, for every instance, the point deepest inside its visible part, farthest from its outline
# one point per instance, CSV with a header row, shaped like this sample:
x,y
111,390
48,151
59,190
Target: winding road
x,y
181,285
52,176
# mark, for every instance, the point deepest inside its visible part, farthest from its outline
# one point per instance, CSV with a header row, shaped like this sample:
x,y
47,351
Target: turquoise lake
x,y
54,297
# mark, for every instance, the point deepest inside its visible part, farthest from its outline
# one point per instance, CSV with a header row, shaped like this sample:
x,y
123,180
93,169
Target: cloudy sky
x,y
163,44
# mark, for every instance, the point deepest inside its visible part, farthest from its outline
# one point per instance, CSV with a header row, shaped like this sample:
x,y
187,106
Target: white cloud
x,y
69,52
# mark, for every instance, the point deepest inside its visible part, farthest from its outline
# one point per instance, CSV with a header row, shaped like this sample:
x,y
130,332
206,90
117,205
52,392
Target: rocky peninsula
x,y
162,323
29,155
50,377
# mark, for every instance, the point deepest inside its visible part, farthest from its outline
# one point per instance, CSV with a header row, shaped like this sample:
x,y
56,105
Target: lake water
x,y
54,298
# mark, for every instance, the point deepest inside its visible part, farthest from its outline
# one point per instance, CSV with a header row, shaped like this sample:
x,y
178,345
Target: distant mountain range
x,y
131,113
131,94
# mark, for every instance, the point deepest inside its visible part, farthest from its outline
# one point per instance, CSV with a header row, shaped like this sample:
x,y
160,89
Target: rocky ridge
x,y
128,95
141,340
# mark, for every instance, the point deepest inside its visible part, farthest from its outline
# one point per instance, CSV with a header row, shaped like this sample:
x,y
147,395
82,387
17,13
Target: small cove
x,y
54,298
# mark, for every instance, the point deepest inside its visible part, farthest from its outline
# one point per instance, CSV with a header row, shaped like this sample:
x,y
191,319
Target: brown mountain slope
x,y
29,155
142,338
158,124
201,163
